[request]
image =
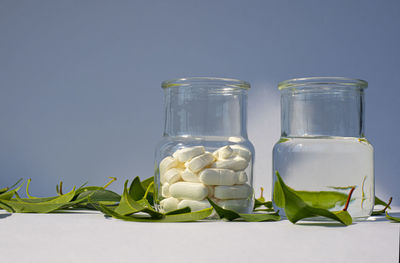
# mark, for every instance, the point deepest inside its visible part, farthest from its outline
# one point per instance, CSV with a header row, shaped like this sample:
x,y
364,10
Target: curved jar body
x,y
204,152
322,152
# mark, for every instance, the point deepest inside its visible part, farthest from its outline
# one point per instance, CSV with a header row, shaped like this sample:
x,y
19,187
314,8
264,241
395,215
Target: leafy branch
x,y
137,203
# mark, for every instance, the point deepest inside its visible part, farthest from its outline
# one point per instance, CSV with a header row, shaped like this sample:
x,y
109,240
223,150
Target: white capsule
x,y
223,152
199,162
169,204
168,163
165,190
187,154
189,176
241,151
241,177
232,192
210,191
173,175
238,205
194,205
186,190
235,163
214,176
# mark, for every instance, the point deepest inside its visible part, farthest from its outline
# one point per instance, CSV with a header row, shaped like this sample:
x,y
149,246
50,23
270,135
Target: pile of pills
x,y
192,174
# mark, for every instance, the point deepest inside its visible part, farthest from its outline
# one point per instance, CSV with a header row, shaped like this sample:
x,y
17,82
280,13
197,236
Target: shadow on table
x,y
4,215
73,212
324,224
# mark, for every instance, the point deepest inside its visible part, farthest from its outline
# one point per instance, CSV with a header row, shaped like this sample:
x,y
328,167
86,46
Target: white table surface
x,y
90,237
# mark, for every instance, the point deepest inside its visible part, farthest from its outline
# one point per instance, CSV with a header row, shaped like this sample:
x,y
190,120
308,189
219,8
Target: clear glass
x,y
204,151
322,145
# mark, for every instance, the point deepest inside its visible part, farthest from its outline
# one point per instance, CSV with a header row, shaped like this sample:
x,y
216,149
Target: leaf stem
x,y
262,192
110,182
61,184
388,204
348,199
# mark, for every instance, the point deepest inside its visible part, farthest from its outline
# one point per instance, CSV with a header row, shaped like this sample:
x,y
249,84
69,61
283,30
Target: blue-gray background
x,y
80,96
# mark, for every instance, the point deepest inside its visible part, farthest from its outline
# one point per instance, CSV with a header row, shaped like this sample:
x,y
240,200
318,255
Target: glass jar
x,y
322,146
204,152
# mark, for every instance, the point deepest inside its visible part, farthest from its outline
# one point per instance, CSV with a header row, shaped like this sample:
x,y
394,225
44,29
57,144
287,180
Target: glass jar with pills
x,y
204,152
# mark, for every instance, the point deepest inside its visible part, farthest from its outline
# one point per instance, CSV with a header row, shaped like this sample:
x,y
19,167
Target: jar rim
x,y
318,82
206,81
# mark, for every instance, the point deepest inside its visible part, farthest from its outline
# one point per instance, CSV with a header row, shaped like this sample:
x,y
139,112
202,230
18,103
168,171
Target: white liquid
x,y
319,164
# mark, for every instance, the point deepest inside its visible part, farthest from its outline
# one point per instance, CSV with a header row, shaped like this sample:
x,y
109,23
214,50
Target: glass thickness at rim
x,y
322,82
211,82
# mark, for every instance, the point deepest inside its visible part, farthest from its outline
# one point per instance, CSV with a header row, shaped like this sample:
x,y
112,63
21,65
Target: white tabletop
x,y
90,237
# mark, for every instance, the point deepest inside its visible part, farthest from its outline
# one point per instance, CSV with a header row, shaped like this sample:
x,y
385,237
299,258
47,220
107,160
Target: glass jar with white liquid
x,y
204,152
323,147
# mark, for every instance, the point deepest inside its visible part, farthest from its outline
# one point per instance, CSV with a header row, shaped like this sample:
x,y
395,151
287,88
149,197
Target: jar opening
x,y
209,82
322,82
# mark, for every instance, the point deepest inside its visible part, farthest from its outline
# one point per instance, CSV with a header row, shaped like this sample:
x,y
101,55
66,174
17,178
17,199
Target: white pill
x,y
169,204
165,190
186,190
173,175
168,163
241,177
210,191
223,152
189,176
235,163
214,176
238,205
199,162
194,205
232,192
241,151
187,154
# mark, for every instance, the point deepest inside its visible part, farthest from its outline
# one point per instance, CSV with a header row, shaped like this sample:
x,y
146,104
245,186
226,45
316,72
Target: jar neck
x,y
315,112
205,111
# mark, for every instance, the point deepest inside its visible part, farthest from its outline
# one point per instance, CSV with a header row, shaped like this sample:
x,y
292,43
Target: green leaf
x,y
179,211
149,194
136,190
322,199
222,212
147,182
232,215
296,209
282,140
129,206
260,217
264,210
3,190
6,207
100,195
394,219
9,194
15,184
21,206
87,188
379,201
363,140
278,196
258,202
342,187
317,199
383,211
32,199
185,217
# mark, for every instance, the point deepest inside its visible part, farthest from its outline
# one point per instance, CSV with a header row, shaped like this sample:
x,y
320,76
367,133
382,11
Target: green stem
x,y
110,182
